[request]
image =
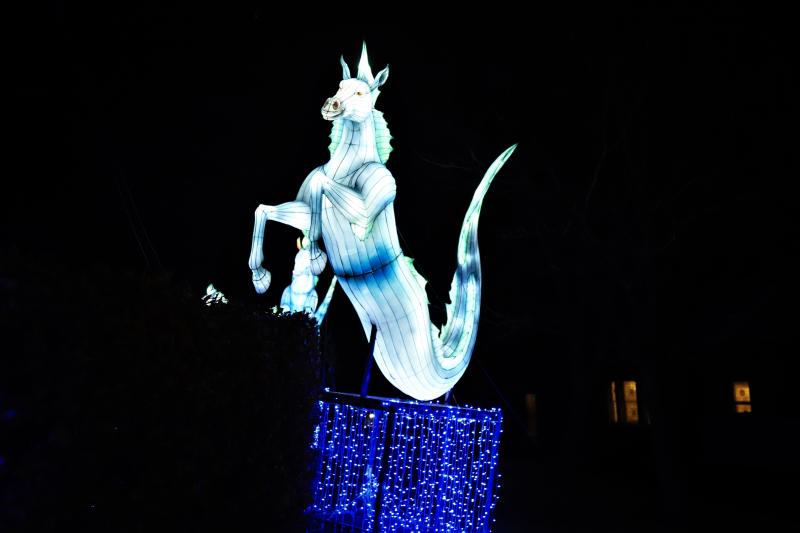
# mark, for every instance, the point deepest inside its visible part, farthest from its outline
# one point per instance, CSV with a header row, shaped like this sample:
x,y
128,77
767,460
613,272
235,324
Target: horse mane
x,y
383,137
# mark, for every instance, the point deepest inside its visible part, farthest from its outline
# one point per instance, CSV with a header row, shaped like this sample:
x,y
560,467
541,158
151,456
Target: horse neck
x,y
356,147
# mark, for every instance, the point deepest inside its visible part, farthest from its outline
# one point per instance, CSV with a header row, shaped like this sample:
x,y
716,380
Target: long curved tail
x,y
453,347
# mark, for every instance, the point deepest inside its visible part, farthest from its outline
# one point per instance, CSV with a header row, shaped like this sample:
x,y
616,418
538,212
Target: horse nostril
x,y
335,104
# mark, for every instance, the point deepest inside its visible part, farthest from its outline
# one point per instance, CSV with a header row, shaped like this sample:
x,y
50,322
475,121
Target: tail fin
x,y
455,344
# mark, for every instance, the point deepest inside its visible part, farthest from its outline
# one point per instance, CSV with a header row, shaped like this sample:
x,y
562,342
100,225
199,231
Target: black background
x,y
645,225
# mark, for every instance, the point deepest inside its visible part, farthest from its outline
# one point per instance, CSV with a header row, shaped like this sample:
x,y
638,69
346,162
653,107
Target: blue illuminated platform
x,y
402,465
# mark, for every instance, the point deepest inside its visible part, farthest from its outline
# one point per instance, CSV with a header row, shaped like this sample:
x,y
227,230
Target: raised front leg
x,y
295,214
314,191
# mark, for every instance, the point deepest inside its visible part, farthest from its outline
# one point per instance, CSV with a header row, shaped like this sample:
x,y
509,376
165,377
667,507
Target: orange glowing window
x,y
530,409
623,402
613,405
741,397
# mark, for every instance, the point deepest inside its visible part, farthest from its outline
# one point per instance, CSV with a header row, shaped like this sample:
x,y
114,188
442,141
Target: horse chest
x,y
336,229
335,226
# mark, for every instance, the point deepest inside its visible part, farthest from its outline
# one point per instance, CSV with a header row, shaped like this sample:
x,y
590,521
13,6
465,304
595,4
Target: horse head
x,y
356,97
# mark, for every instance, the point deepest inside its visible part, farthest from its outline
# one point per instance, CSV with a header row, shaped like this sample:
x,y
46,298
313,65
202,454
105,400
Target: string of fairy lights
x,y
406,466
351,441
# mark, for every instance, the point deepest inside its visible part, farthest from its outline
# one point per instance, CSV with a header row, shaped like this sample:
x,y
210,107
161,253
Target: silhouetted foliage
x,y
129,405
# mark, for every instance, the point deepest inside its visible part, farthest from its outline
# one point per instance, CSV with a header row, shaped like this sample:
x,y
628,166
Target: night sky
x,y
646,210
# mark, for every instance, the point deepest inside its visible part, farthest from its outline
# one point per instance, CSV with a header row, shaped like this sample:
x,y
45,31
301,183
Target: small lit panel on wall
x,y
623,402
631,402
741,397
392,465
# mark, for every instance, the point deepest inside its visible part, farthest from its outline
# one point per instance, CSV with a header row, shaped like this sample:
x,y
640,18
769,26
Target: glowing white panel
x,y
348,203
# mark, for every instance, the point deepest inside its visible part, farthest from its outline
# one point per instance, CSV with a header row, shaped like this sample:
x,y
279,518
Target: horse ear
x,y
381,78
345,68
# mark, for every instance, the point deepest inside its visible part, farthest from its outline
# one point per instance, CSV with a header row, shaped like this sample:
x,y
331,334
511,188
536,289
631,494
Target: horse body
x,y
348,203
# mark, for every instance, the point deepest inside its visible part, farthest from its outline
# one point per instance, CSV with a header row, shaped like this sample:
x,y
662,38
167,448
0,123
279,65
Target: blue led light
x,y
406,465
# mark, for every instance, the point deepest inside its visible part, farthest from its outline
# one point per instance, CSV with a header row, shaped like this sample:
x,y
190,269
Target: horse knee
x,y
264,210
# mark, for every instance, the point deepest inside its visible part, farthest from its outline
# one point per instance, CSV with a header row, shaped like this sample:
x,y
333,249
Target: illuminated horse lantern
x,y
348,202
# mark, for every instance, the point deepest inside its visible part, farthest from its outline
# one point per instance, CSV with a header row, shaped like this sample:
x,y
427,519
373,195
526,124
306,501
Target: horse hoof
x,y
318,262
261,279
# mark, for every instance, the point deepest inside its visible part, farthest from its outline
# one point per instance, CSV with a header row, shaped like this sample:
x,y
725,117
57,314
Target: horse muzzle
x,y
332,109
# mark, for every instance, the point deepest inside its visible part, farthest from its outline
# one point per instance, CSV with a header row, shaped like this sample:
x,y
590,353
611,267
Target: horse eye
x,y
359,93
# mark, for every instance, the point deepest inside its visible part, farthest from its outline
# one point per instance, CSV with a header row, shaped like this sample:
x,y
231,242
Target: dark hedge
x,y
129,405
